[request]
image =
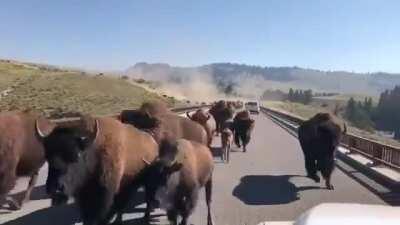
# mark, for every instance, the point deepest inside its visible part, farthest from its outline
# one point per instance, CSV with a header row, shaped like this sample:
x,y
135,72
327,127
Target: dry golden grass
x,y
53,91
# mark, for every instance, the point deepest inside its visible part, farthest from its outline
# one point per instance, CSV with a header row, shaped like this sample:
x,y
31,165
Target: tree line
x,y
301,96
384,116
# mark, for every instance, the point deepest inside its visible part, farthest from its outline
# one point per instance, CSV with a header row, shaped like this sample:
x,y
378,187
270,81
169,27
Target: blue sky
x,y
353,35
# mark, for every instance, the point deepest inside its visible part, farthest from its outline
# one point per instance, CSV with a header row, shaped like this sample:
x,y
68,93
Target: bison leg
x,y
327,166
95,202
237,139
228,151
187,205
245,140
172,216
7,183
223,153
311,168
31,185
208,191
150,193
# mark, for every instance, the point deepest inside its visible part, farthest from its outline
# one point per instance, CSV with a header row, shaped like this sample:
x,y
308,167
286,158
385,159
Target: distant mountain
x,y
231,74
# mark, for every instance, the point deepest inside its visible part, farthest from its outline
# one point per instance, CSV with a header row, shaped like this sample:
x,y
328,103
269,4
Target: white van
x,y
253,107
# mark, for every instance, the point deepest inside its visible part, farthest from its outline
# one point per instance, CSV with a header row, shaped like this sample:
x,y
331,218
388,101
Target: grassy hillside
x,y
52,91
307,111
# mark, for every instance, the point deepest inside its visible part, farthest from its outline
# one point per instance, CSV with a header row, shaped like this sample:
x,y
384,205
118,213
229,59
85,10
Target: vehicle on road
x,y
253,107
345,213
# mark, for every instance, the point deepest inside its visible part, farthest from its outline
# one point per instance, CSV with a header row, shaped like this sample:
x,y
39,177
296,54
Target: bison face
x,y
199,116
167,164
64,150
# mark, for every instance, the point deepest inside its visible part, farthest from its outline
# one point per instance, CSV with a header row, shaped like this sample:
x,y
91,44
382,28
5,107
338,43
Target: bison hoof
x,y
330,187
14,205
315,178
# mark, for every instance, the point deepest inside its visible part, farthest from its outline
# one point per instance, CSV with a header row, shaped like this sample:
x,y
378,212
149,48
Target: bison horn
x,y
188,115
97,129
40,133
145,161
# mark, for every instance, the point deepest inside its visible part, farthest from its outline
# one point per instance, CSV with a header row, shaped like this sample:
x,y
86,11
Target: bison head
x,y
139,119
65,148
167,165
199,116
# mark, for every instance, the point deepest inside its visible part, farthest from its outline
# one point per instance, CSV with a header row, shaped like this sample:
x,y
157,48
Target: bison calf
x,y
226,139
319,138
182,169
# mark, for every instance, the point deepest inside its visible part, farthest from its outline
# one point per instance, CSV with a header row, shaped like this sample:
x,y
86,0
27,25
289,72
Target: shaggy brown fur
x,y
109,164
21,151
207,121
243,126
221,111
226,142
184,167
319,138
159,123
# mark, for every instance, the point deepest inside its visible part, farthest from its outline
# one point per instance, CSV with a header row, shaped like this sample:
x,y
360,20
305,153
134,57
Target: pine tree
x,y
291,95
351,108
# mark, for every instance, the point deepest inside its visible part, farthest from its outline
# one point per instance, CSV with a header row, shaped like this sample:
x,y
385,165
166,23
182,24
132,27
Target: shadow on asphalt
x,y
60,215
268,190
391,195
69,214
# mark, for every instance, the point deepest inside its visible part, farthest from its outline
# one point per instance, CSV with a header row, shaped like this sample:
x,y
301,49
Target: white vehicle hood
x,y
346,214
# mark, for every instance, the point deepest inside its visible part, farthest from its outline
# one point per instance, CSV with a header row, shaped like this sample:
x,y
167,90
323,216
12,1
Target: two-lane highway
x,y
265,183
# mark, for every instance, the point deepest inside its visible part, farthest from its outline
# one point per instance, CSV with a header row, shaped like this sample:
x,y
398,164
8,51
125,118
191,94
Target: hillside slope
x,y
242,76
55,91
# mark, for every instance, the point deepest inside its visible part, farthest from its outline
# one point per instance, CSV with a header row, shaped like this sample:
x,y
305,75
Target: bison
x,y
100,162
243,126
227,139
21,151
319,138
183,168
157,119
221,112
205,120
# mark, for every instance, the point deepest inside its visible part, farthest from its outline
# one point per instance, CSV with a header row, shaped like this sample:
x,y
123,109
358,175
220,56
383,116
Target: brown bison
x,y
158,120
21,151
221,111
205,120
100,162
319,138
243,126
226,142
227,137
184,167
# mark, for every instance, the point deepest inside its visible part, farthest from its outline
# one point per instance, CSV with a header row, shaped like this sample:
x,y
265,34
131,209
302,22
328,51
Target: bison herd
x,y
102,161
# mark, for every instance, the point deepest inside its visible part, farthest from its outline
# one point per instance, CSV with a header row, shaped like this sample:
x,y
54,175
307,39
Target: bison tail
x,y
208,191
344,128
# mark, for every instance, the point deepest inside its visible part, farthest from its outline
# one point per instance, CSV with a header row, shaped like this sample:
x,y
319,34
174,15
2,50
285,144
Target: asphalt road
x,y
265,183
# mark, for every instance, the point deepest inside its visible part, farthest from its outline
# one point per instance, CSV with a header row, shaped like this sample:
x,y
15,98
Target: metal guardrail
x,y
71,120
378,153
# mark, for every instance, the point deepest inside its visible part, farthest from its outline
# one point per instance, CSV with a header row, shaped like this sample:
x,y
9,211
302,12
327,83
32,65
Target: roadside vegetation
x,y
383,116
56,92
